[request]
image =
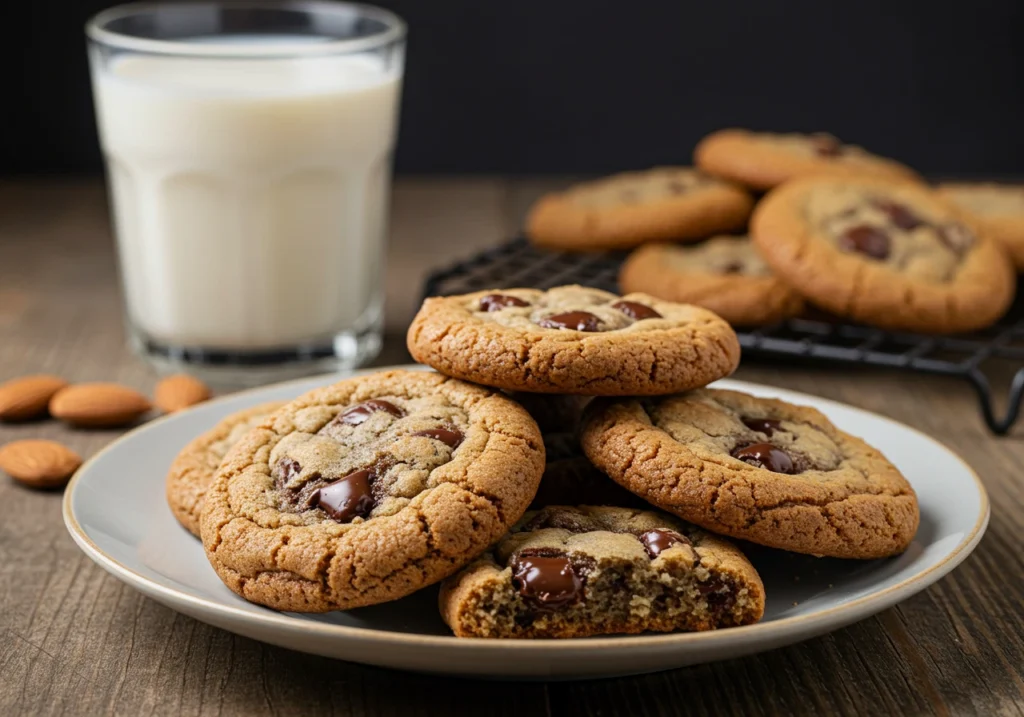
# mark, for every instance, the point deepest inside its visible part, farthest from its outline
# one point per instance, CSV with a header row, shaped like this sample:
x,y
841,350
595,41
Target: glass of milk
x,y
248,149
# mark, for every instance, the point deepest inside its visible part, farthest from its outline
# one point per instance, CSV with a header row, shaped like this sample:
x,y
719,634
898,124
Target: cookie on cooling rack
x,y
724,274
999,208
622,211
762,160
887,253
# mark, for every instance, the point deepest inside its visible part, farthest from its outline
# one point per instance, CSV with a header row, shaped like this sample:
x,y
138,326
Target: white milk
x,y
249,196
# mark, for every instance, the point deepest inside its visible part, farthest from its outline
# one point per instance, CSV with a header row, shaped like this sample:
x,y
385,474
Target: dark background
x,y
536,86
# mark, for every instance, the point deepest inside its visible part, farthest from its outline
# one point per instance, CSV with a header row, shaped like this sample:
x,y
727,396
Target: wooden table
x,y
75,640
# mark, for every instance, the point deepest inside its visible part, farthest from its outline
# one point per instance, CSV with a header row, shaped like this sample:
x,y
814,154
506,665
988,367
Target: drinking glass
x,y
248,148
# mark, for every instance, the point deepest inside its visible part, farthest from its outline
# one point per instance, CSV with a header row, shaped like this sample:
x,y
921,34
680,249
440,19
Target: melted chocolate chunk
x,y
301,496
957,237
721,596
636,310
348,497
287,468
578,320
546,582
658,540
865,239
496,302
358,414
900,214
733,267
450,438
826,145
767,426
767,456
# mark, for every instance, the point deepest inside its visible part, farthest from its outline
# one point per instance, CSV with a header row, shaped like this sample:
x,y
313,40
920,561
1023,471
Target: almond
x,y
95,405
39,464
27,397
178,392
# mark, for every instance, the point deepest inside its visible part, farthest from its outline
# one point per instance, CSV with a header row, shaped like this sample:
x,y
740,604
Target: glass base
x,y
236,368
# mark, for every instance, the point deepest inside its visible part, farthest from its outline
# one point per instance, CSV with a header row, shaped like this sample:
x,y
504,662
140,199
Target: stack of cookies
x,y
857,235
563,473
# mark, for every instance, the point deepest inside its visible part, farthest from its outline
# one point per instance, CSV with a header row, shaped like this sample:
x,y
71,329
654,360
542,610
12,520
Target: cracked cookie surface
x,y
891,254
762,160
193,470
758,469
724,274
577,571
624,210
573,340
368,490
999,208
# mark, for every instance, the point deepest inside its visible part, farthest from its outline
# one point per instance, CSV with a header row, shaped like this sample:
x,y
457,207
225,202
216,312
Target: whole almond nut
x,y
178,392
98,405
27,397
39,464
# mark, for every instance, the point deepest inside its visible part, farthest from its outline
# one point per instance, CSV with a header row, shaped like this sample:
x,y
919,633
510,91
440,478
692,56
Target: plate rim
x,y
272,619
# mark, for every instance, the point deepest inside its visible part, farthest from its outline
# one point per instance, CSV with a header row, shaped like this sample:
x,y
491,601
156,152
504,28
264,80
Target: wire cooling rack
x,y
975,357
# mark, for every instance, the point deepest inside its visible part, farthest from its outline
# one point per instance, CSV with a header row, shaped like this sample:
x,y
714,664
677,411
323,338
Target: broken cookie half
x,y
579,571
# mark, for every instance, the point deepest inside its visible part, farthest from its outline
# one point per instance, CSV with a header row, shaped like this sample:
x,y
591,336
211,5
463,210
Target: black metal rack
x,y
970,357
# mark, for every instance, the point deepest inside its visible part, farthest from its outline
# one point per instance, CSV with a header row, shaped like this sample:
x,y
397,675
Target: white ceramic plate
x,y
115,510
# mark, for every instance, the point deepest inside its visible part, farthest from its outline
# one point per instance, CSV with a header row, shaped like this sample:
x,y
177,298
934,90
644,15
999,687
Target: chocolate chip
x,y
719,603
826,145
547,582
733,267
767,456
578,320
496,302
720,596
348,497
865,239
767,426
676,187
450,438
957,237
359,414
636,310
900,214
287,468
658,540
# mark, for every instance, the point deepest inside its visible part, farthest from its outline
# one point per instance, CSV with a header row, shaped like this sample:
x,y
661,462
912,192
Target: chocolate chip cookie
x,y
368,490
886,253
192,471
999,208
762,160
754,468
724,274
573,340
622,211
575,572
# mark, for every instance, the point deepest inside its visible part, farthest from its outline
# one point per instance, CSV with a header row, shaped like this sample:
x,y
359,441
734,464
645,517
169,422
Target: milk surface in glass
x,y
249,195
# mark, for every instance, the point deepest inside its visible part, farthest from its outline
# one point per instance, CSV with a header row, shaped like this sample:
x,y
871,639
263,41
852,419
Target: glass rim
x,y
394,30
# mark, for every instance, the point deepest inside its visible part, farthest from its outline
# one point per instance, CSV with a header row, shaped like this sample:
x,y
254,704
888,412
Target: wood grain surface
x,y
74,640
